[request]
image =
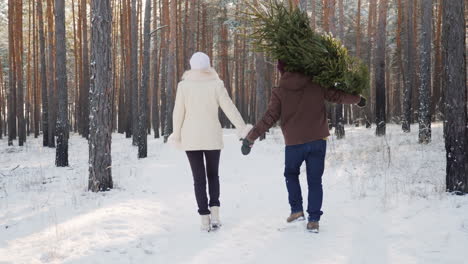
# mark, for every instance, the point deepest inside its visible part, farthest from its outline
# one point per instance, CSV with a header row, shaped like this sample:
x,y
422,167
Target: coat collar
x,y
200,75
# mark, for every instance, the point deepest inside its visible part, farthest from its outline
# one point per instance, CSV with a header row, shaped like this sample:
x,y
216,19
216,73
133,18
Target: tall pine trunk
x,y
339,128
11,98
437,106
371,26
314,13
171,67
85,69
128,68
454,87
260,69
100,137
36,87
399,61
61,157
51,74
44,97
19,73
155,69
425,64
143,135
408,70
134,72
380,83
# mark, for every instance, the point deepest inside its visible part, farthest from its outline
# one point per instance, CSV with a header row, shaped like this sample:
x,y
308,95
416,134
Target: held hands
x,y
246,146
362,103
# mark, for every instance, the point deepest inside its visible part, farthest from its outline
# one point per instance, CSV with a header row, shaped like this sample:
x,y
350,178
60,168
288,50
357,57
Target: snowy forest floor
x,y
384,203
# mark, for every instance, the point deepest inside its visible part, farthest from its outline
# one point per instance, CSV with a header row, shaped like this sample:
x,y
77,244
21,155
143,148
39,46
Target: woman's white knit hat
x,y
200,61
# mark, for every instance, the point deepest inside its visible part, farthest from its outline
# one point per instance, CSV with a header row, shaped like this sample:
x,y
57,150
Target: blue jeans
x,y
313,153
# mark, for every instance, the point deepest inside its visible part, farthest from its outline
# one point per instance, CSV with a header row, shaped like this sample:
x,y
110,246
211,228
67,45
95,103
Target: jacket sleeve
x,y
340,97
178,115
269,119
230,110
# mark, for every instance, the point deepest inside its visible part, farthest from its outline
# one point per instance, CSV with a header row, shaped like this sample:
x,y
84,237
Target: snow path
x,y
384,203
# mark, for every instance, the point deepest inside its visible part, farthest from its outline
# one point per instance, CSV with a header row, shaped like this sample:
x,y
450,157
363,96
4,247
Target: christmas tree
x,y
284,32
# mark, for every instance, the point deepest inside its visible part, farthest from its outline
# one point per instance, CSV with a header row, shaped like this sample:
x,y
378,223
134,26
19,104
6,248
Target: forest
x,y
90,108
100,67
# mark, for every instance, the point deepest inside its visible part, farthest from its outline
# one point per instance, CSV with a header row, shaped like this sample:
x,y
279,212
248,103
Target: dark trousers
x,y
313,153
200,174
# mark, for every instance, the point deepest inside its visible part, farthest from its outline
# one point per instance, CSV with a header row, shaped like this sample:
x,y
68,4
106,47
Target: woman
x,y
197,131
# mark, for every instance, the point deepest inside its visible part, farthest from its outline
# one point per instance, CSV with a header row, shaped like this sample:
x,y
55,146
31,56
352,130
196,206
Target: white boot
x,y
205,223
215,222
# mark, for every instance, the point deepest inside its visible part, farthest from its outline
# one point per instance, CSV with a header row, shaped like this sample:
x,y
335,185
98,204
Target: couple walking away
x,y
298,103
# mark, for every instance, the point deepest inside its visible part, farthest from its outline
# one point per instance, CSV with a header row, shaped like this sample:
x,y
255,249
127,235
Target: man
x,y
299,104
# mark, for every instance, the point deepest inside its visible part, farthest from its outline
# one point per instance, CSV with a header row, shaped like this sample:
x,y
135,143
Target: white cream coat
x,y
195,119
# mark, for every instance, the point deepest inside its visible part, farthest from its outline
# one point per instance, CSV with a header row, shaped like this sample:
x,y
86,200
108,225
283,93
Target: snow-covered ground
x,y
384,203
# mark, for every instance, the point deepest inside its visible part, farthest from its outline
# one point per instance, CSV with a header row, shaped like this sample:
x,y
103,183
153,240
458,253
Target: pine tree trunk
x,y
61,157
408,71
339,129
425,63
29,75
155,70
76,108
36,74
171,68
51,74
313,22
11,74
416,68
192,30
85,65
100,137
399,61
134,72
244,107
357,113
164,10
44,97
437,106
116,86
358,30
260,69
143,135
224,57
371,28
252,91
380,78
454,87
19,73
122,118
128,69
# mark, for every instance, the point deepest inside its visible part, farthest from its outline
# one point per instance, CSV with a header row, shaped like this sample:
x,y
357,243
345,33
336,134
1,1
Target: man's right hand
x,y
246,147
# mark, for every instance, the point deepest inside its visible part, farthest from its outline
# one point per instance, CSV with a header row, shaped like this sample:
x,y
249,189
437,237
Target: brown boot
x,y
296,217
313,227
